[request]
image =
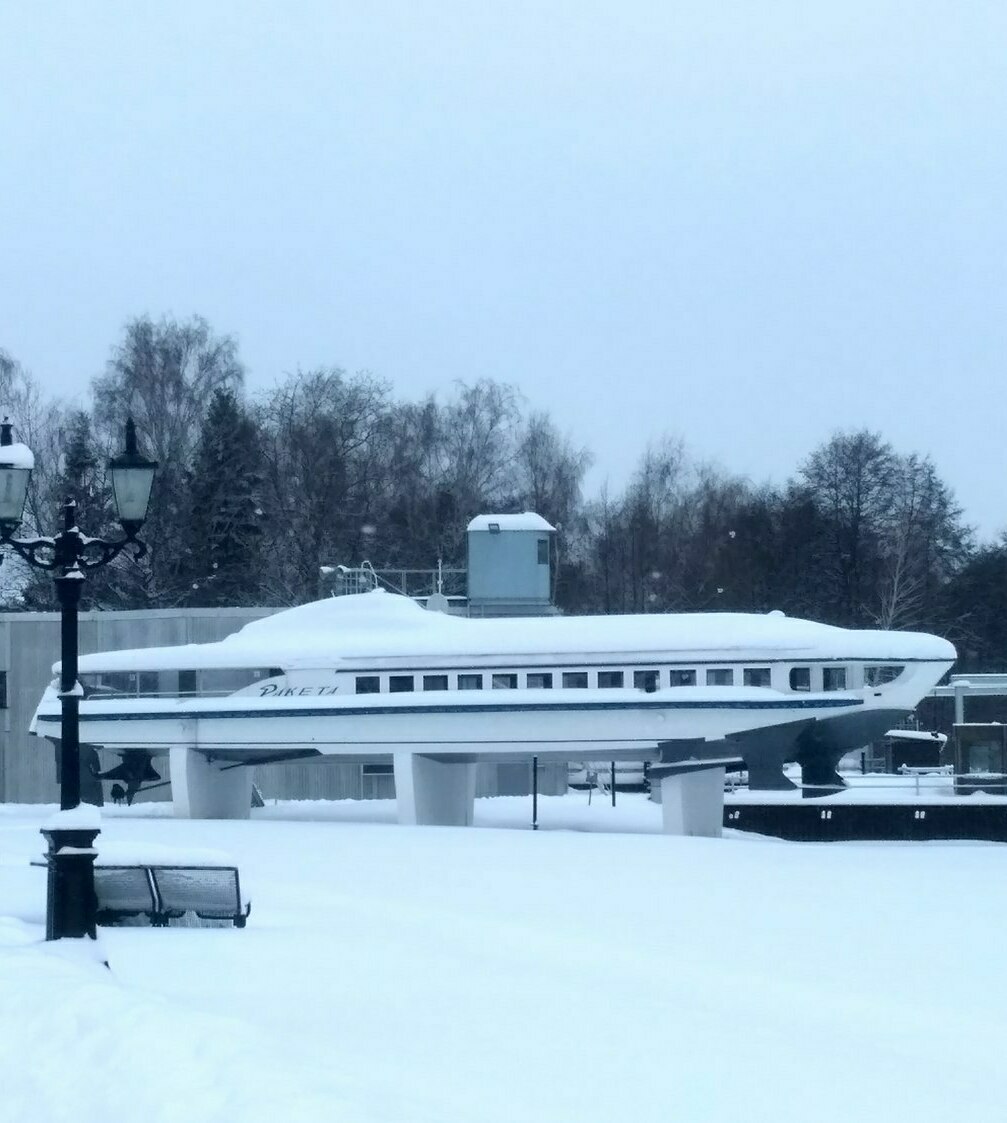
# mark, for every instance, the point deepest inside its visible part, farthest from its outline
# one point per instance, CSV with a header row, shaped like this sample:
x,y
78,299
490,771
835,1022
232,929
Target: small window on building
x,y
470,682
368,684
681,677
645,680
608,680
400,684
720,676
878,676
833,678
800,678
757,676
504,682
575,680
540,680
435,682
543,551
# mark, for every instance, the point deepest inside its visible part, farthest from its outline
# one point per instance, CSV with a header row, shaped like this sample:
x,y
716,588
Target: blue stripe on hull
x,y
478,708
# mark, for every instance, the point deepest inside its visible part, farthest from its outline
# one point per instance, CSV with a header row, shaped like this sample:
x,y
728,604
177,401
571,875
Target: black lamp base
x,y
71,902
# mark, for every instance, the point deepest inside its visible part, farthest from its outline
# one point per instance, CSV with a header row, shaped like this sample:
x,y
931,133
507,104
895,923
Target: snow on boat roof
x,y
527,520
388,626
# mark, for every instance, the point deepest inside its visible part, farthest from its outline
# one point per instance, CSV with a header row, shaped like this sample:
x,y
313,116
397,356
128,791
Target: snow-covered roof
x,y
527,520
916,735
384,625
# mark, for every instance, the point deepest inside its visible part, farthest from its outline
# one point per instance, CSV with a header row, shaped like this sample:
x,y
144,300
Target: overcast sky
x,y
744,223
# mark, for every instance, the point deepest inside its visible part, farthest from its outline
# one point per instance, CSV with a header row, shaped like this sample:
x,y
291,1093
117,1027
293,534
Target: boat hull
x,y
548,724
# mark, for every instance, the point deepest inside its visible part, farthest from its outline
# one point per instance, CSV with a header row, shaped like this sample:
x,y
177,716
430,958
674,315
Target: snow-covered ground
x,y
926,788
593,971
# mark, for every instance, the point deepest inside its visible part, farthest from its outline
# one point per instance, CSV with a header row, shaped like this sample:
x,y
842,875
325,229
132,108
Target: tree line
x,y
255,495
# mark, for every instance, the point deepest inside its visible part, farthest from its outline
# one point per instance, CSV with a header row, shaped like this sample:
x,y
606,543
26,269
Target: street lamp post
x,y
70,897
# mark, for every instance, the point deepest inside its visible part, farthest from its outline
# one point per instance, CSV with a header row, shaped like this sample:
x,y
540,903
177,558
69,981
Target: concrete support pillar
x,y
693,802
201,790
435,793
961,689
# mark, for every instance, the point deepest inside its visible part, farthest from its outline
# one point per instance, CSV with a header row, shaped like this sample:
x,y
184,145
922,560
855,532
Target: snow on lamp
x,y
16,464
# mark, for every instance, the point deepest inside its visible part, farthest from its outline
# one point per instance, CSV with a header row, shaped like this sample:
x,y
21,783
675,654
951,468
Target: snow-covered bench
x,y
164,883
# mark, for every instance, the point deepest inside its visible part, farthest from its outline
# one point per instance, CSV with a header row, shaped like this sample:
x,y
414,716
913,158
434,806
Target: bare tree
x,y
322,436
852,478
164,375
924,545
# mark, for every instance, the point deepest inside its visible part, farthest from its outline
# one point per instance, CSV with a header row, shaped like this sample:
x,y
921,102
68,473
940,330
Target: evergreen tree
x,y
164,375
223,563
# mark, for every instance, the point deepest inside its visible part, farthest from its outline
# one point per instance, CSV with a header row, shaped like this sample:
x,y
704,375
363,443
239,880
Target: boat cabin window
x,y
118,682
645,680
435,682
757,676
800,678
575,680
470,682
677,676
607,680
221,680
720,676
504,682
368,684
400,684
187,682
212,681
878,676
833,678
540,681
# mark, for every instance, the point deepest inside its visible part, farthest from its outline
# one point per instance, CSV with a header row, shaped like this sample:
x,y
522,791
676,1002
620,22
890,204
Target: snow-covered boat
x,y
373,676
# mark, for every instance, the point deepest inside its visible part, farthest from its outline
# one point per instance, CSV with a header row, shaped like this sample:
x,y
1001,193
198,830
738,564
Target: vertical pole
x,y
613,783
534,793
71,904
68,588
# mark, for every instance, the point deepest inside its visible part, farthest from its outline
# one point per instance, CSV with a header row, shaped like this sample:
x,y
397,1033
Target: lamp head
x,y
132,478
16,464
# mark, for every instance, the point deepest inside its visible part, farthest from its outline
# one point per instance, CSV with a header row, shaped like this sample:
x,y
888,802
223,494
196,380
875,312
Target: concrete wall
x,y
29,645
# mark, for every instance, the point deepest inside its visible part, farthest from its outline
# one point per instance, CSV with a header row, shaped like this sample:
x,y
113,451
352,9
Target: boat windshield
x,y
212,682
